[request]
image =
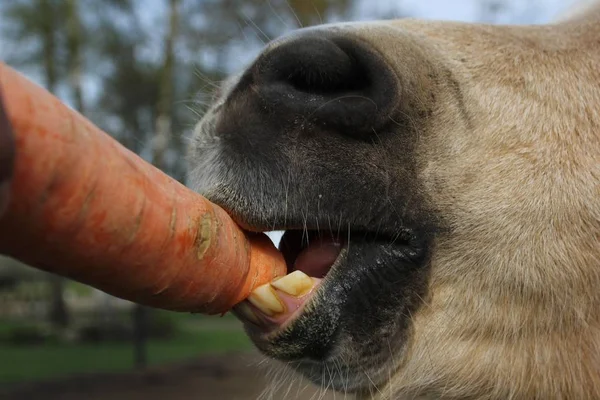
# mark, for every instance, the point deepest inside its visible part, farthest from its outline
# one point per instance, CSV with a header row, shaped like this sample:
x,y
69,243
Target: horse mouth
x,y
310,256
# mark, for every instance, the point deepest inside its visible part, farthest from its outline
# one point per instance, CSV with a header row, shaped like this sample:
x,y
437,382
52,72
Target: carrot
x,y
84,207
7,157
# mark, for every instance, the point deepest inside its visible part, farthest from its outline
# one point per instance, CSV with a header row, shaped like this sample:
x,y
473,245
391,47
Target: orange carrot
x,y
83,206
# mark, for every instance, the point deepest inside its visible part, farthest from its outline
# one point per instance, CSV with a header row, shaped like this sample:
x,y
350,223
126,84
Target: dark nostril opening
x,y
316,66
335,82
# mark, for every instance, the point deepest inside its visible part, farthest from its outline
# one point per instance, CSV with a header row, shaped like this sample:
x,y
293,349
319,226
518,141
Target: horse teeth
x,y
296,284
266,300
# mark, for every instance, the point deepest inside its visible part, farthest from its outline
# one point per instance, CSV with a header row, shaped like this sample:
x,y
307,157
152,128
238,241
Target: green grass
x,y
52,360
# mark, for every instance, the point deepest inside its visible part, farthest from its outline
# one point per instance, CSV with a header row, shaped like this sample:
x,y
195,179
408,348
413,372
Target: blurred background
x,y
144,71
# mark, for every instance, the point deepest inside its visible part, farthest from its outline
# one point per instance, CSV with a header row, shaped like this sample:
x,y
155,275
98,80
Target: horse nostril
x,y
316,66
334,82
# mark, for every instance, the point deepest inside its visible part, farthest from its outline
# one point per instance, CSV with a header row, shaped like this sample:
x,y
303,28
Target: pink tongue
x,y
316,260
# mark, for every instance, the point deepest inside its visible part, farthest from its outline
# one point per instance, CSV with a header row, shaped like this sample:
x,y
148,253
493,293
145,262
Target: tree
x,y
74,43
166,89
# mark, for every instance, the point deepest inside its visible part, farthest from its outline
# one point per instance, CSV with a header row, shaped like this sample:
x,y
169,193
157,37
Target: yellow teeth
x,y
296,284
265,299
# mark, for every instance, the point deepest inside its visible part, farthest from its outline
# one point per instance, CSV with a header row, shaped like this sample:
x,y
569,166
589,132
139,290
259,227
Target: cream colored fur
x,y
514,305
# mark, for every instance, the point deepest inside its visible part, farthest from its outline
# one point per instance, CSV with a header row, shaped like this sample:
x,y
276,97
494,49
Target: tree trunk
x,y
74,60
49,44
58,314
164,115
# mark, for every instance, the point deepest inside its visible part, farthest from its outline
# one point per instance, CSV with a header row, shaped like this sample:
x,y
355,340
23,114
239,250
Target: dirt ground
x,y
235,376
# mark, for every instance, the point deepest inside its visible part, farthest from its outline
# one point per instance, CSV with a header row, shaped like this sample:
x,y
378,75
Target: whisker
x,y
206,79
305,230
294,14
244,31
318,13
265,36
348,244
277,14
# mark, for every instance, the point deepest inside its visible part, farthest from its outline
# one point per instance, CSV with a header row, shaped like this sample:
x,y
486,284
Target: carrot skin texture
x,y
85,207
7,157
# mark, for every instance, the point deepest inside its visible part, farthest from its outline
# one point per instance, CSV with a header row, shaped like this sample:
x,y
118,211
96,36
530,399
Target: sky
x,y
533,11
